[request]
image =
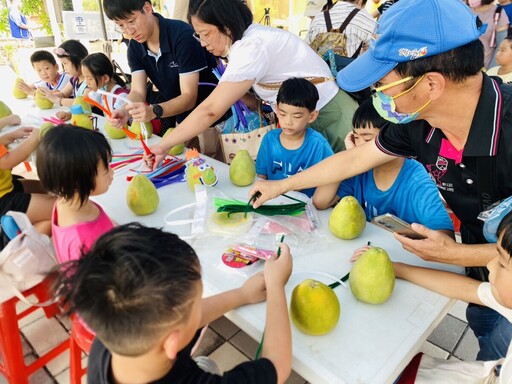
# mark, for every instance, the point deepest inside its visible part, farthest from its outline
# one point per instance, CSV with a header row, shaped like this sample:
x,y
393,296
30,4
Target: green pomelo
x,y
86,107
41,101
141,196
347,220
112,132
82,121
372,277
4,110
314,308
242,170
135,128
177,149
16,92
45,127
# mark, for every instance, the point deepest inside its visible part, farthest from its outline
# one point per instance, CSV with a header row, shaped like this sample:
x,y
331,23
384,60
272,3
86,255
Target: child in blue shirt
x,y
294,147
401,187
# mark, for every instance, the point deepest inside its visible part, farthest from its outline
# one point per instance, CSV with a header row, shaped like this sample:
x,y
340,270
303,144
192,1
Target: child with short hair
x,y
70,54
47,69
401,187
294,146
99,74
73,164
504,59
140,290
495,294
16,193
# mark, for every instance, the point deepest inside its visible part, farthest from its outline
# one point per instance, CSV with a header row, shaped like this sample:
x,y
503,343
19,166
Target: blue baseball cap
x,y
409,30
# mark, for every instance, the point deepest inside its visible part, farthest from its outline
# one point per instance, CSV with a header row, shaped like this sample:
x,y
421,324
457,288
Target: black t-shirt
x,y
180,53
385,6
455,173
184,370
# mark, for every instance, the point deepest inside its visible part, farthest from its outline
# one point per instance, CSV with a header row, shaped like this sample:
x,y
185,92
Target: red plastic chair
x,y
13,365
81,340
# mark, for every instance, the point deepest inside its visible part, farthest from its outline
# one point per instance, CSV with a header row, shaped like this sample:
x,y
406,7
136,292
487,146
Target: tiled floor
x,y
227,345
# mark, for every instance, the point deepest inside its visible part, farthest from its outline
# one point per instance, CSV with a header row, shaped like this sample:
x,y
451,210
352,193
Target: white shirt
x,y
271,55
61,83
485,294
507,78
359,30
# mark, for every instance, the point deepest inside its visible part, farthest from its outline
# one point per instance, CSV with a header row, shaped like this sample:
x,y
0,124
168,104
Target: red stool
x,y
81,340
13,366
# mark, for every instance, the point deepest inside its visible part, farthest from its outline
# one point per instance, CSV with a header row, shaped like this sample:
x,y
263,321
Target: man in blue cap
x,y
425,69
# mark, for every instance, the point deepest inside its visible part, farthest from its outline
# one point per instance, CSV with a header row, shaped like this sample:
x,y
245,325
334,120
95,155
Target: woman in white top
x,y
260,58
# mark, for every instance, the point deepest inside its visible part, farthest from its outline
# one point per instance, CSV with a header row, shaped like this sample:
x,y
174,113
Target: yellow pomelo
x,y
347,220
242,170
177,149
16,92
135,128
86,107
314,308
141,196
372,277
41,101
4,110
113,133
45,127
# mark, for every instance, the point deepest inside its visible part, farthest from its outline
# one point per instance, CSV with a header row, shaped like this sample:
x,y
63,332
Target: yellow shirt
x,y
6,184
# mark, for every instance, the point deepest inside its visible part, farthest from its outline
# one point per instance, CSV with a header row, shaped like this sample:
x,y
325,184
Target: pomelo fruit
x,y
242,169
314,308
86,107
141,196
4,110
372,277
347,220
45,127
113,133
178,148
16,92
135,128
41,101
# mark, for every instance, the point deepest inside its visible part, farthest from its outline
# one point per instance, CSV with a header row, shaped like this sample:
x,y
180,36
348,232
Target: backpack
x,y
334,39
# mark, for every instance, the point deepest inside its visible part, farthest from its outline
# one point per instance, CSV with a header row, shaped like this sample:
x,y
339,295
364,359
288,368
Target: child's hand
x,y
24,87
50,95
278,269
359,251
118,119
12,120
253,289
350,141
22,133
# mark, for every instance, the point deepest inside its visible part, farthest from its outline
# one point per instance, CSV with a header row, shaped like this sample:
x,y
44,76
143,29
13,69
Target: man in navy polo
x,y
425,68
166,52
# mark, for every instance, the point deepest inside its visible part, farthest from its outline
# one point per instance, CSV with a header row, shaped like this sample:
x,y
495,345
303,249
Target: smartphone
x,y
397,225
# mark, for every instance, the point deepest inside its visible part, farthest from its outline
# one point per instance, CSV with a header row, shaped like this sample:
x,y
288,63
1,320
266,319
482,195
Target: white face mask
x,y
475,3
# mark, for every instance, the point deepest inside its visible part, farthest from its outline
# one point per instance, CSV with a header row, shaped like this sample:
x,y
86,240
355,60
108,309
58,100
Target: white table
x,y
371,343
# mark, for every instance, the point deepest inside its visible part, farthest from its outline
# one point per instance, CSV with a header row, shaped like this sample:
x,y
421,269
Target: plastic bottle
x,y
79,118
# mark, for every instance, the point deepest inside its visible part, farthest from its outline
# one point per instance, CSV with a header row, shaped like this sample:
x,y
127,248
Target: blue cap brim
x,y
363,72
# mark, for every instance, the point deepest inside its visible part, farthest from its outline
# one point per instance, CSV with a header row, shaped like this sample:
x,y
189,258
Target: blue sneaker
x,y
9,227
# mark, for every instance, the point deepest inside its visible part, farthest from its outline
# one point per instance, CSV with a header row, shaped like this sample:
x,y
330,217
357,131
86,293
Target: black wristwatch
x,y
158,110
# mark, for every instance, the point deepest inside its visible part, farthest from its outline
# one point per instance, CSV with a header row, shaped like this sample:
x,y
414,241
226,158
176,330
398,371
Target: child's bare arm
x,y
277,345
9,120
445,283
325,196
20,133
252,291
19,154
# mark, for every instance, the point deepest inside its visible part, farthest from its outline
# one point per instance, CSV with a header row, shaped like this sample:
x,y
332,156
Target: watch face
x,y
158,110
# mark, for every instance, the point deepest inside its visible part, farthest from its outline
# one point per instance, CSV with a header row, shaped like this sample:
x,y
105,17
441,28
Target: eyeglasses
x,y
61,52
374,89
198,37
129,25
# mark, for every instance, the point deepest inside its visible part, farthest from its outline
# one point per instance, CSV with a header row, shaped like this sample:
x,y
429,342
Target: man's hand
x,y
437,247
253,289
119,118
266,190
140,111
157,155
278,269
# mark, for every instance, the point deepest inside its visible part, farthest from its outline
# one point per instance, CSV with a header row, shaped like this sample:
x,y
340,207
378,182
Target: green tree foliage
x,y
37,7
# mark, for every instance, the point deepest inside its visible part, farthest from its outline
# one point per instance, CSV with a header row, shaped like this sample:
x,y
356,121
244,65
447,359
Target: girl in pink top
x,y
73,164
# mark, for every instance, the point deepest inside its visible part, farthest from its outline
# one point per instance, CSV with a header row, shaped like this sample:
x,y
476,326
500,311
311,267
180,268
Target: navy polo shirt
x,y
180,53
455,172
